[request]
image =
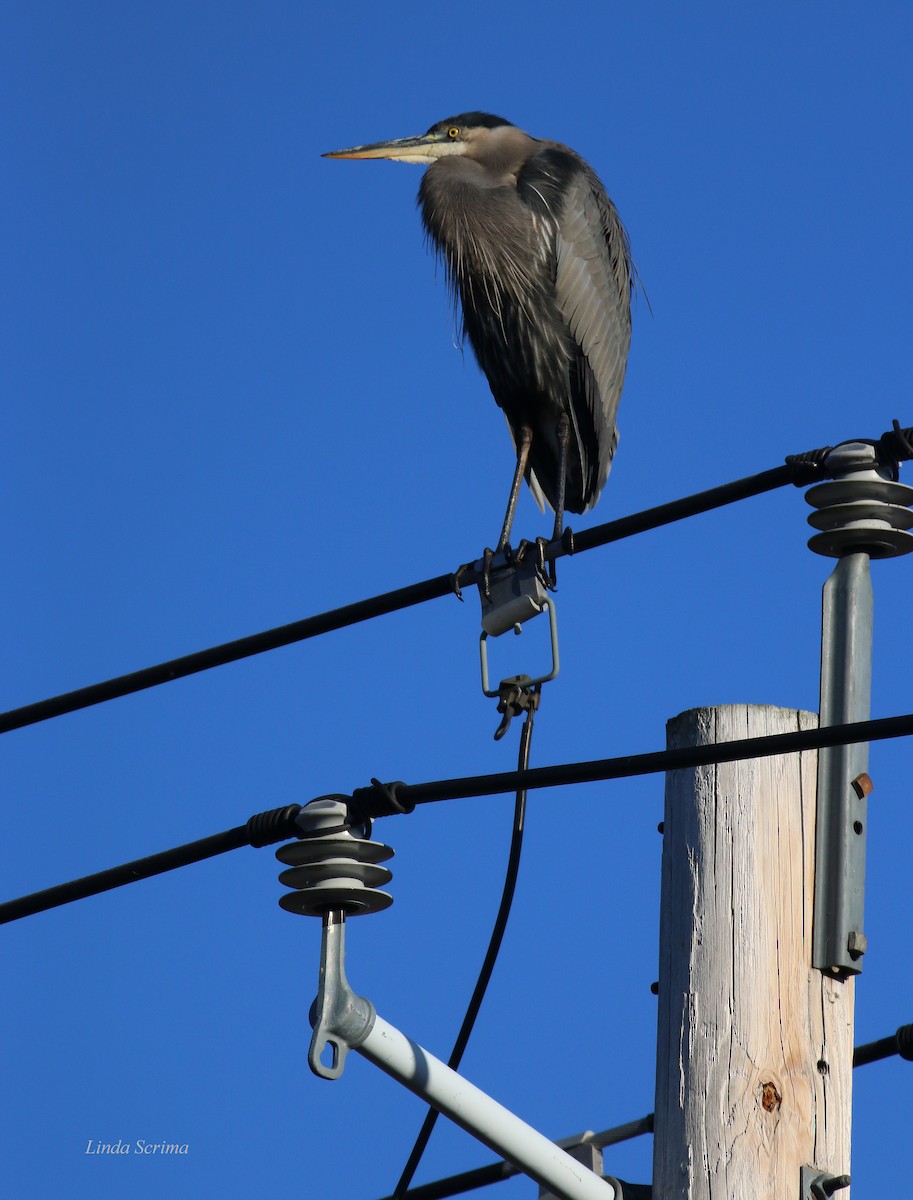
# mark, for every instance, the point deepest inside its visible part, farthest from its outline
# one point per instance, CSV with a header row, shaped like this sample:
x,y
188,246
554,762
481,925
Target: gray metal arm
x,y
343,1021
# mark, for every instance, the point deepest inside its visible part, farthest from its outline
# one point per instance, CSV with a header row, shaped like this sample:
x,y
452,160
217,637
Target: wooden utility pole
x,y
755,1046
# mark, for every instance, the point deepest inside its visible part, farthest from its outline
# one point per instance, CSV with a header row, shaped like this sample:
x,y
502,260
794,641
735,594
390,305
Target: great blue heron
x,y
539,258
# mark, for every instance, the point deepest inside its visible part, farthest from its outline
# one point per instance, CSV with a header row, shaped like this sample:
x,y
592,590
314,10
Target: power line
x,y
900,1042
384,800
381,800
227,652
263,829
799,469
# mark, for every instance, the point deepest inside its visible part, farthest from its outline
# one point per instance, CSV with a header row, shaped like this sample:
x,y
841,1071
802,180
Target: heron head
x,y
466,134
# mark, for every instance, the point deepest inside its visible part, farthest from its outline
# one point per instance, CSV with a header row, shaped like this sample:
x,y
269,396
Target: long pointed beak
x,y
424,148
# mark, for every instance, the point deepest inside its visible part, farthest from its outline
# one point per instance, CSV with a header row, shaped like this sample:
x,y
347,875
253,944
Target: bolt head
x,y
856,944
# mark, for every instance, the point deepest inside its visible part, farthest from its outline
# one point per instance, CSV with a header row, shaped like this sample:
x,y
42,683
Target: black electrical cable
x,y
227,652
467,1181
455,1185
373,802
690,506
900,1043
491,954
263,829
384,800
799,469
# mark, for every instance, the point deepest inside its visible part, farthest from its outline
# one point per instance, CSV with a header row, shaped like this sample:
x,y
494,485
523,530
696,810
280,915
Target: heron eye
x,y
453,132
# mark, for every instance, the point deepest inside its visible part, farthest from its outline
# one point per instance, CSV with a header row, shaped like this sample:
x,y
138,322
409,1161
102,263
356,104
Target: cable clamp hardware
x,y
515,594
511,595
549,604
516,695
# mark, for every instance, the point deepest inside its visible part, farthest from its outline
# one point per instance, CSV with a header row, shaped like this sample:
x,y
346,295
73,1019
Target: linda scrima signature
x,y
140,1146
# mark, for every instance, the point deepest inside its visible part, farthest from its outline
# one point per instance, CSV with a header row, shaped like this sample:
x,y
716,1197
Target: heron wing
x,y
593,288
593,282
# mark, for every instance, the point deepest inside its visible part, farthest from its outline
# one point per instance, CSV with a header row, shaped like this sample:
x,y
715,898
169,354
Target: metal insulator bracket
x,y
862,513
340,1019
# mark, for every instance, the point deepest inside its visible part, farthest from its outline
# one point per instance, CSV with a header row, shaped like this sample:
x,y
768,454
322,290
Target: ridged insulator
x,y
335,870
862,509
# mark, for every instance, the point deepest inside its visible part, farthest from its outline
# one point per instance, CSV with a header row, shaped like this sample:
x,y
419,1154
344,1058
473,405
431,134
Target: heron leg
x,y
564,437
524,441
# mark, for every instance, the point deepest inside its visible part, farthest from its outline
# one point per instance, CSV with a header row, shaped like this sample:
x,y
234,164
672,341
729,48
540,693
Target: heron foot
x,y
485,582
457,576
545,569
549,574
487,556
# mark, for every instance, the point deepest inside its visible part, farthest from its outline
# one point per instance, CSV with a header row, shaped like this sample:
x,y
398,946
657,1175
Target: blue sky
x,y
231,398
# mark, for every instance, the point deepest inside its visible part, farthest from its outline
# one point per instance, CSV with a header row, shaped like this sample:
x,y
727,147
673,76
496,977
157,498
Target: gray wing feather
x,y
593,289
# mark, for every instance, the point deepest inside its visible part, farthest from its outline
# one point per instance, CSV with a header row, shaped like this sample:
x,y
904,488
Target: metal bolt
x,y
862,785
825,1185
857,944
819,1185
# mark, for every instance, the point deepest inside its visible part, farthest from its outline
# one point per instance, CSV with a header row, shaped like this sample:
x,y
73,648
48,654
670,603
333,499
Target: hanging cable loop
x,y
531,693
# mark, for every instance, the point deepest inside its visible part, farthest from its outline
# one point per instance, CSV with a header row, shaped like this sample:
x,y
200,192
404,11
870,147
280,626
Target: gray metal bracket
x,y
512,594
861,514
517,595
819,1185
590,1156
341,1020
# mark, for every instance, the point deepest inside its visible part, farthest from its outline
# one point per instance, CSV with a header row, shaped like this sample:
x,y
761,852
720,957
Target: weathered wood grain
x,y
754,1062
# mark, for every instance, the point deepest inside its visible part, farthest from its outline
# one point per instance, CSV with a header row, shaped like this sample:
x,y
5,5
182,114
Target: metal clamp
x,y
819,1185
515,695
504,615
511,595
